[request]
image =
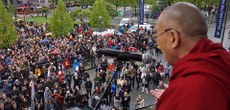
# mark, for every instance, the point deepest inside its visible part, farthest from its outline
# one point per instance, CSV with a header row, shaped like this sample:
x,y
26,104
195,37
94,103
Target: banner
x,y
220,18
141,9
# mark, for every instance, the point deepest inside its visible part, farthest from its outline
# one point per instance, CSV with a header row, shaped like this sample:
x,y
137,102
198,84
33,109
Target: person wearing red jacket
x,y
200,78
60,75
58,98
66,63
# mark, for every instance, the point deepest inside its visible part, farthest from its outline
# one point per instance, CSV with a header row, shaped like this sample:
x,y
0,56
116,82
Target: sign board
x,y
220,18
141,9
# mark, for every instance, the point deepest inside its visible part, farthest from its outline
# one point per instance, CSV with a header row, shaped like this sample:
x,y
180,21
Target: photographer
x,y
69,100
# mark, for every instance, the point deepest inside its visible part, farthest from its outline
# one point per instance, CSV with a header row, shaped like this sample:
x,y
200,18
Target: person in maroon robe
x,y
200,78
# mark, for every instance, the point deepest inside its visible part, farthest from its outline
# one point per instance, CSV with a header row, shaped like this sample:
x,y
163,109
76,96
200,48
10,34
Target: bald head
x,y
186,18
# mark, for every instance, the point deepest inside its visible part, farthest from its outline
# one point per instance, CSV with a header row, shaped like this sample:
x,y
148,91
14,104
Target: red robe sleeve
x,y
197,92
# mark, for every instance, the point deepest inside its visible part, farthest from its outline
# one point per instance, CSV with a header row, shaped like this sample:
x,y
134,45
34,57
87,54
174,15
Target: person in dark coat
x,y
126,87
126,101
69,100
15,93
8,105
24,101
15,105
77,82
81,69
156,78
68,78
77,96
88,86
39,106
85,99
104,64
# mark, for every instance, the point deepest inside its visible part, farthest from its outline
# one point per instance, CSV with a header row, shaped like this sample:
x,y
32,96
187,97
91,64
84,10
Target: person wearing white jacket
x,y
143,79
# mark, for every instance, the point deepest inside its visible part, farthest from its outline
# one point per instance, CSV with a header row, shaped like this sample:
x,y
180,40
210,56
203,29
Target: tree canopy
x,y
100,16
10,7
85,13
86,2
8,35
111,9
60,21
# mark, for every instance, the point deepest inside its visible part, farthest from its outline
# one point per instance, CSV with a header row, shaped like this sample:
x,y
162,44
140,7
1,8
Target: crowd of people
x,y
44,72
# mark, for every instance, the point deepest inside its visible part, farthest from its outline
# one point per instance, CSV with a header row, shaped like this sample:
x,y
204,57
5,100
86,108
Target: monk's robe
x,y
200,80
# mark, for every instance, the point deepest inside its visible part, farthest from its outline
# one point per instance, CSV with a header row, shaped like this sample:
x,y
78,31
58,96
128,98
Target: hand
x,y
166,85
157,92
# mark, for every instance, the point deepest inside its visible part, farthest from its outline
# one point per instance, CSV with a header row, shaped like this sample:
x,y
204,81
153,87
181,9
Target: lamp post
x,y
138,19
138,25
15,12
99,22
225,20
23,11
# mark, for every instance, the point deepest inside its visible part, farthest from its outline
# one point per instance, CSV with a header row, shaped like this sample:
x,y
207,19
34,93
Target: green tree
x,y
86,2
117,3
52,1
85,13
75,13
199,3
111,9
134,4
60,21
75,1
45,9
150,2
124,3
162,3
78,13
8,34
114,2
42,10
100,16
11,9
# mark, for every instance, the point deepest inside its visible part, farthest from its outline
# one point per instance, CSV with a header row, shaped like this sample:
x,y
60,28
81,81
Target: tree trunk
x,y
205,7
135,12
198,4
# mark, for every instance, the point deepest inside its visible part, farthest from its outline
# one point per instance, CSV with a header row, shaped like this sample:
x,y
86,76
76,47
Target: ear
x,y
175,39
